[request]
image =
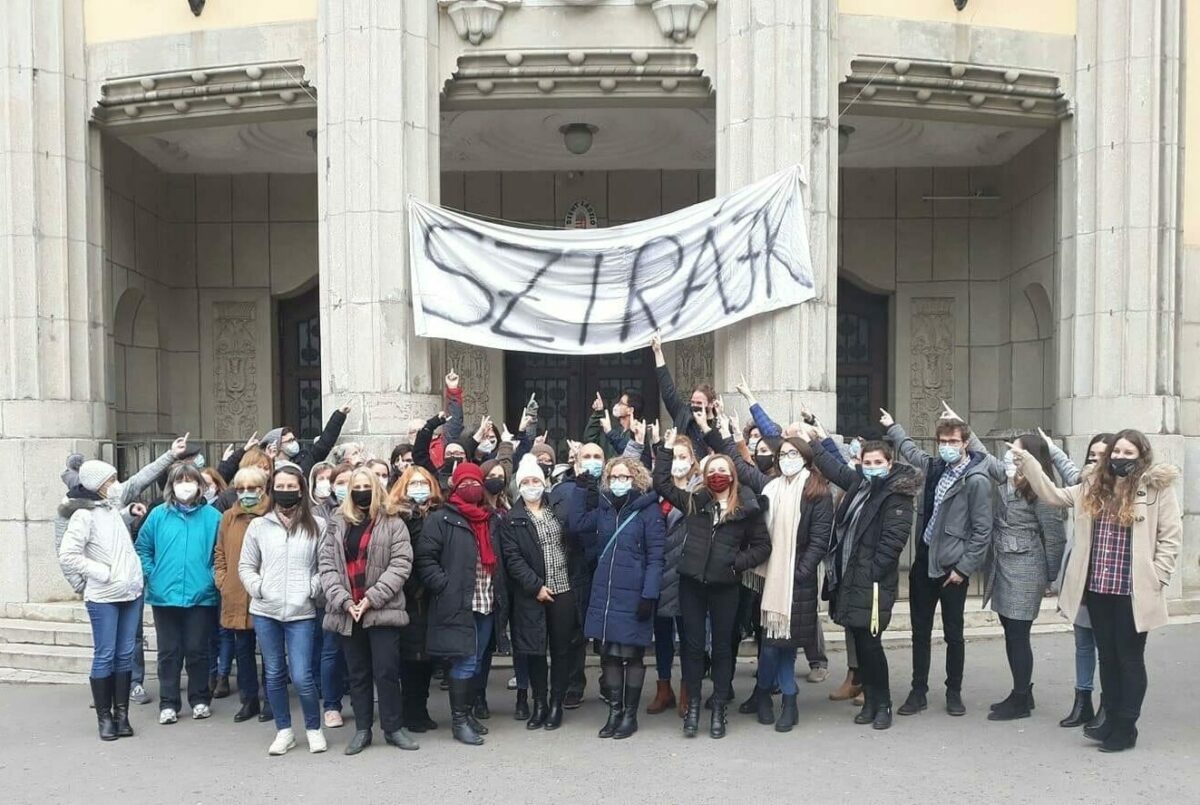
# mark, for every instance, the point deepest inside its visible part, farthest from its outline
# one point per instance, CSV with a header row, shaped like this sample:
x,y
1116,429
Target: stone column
x,y
52,295
377,127
777,106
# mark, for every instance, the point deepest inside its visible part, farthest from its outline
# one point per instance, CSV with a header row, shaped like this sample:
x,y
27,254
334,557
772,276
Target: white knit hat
x,y
529,468
93,474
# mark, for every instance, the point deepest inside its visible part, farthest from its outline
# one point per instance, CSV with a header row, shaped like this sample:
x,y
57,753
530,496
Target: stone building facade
x,y
202,212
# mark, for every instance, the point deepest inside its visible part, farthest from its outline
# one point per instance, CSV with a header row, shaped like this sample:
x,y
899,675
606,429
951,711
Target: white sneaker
x,y
316,741
512,683
284,740
201,711
139,695
167,716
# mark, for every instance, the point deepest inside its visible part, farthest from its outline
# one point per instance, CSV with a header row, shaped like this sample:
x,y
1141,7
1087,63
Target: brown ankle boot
x,y
664,698
848,690
683,699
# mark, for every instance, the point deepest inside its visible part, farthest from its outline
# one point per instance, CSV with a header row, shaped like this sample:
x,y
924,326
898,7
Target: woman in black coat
x,y
726,535
800,521
458,560
871,528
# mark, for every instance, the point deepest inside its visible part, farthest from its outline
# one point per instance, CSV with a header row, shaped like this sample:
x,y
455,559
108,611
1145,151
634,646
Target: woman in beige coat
x,y
365,559
1127,536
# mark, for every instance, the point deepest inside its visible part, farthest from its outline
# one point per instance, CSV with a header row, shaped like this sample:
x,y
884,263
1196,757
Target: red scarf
x,y
480,520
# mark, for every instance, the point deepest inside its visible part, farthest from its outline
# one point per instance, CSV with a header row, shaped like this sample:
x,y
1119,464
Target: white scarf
x,y
786,496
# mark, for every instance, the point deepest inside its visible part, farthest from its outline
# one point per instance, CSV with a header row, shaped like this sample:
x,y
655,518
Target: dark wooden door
x,y
566,386
300,364
862,358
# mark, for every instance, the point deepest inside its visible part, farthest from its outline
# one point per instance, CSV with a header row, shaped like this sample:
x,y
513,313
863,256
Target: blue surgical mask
x,y
593,466
249,499
198,461
620,487
875,472
948,454
340,492
418,494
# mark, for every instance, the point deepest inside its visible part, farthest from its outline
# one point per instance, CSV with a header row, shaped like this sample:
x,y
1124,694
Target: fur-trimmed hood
x,y
905,479
71,505
1160,476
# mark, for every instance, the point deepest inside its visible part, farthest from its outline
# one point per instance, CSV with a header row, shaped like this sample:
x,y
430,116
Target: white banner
x,y
592,291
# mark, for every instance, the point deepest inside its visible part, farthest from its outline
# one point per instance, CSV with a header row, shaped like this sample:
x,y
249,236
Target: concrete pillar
x,y
52,295
777,106
377,126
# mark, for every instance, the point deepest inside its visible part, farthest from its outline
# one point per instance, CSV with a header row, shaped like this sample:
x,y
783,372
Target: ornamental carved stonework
x,y
932,369
471,363
693,363
235,368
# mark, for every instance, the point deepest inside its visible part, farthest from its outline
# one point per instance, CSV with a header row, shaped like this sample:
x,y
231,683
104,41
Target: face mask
x,y
185,491
680,467
289,498
875,472
114,491
291,449
487,446
718,483
764,463
249,499
546,470
418,493
620,488
210,493
697,408
321,490
361,497
791,466
753,444
471,494
1121,467
339,493
855,447
532,492
198,461
593,466
949,454
494,486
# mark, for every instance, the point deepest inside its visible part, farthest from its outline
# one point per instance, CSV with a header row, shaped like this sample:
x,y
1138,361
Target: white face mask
x,y
322,488
210,493
532,492
791,466
680,467
185,491
291,449
114,491
487,446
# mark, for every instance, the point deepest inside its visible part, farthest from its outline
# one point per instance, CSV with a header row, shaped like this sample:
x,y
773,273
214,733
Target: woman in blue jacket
x,y
176,544
632,532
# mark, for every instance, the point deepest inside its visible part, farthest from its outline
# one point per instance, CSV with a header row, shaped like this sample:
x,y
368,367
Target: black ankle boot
x,y
360,741
629,725
719,720
764,704
789,714
102,699
1081,712
554,716
616,709
1101,715
1014,707
521,709
248,711
122,681
480,709
915,703
1122,735
265,713
867,714
1008,700
691,719
461,696
537,718
883,715
751,704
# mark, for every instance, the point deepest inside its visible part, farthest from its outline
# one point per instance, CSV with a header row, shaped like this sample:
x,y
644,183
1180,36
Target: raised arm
x,y
328,438
835,469
454,407
148,474
665,486
422,441
747,473
908,449
1042,486
1067,471
993,465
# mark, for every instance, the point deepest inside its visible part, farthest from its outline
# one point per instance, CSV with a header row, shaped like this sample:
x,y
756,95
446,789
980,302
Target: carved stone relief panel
x,y
931,378
235,368
471,363
693,362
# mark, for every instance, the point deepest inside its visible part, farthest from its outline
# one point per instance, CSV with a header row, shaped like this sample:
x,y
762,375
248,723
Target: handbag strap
x,y
617,533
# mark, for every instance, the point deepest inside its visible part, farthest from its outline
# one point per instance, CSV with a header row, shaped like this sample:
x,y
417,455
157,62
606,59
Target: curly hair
x,y
1109,494
641,476
399,499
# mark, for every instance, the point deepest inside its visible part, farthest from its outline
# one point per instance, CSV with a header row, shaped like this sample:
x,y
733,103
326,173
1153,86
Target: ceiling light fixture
x,y
577,137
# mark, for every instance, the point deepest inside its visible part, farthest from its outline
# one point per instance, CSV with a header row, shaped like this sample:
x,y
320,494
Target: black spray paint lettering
x,y
637,292
441,312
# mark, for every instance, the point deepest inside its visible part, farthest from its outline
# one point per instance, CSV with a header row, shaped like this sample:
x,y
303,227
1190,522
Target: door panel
x,y
862,358
300,364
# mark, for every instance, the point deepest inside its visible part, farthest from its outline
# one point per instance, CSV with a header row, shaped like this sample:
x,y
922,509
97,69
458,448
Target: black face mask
x,y
286,499
697,409
361,497
764,463
1121,467
494,486
547,469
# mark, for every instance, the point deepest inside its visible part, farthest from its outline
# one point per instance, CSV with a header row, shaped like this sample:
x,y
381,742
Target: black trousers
x,y
872,663
1019,652
565,635
373,664
700,603
414,683
924,595
184,634
1122,650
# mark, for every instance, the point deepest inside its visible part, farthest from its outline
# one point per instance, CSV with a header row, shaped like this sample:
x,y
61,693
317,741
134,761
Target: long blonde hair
x,y
379,502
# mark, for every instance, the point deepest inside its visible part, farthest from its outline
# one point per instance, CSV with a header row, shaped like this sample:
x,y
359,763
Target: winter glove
x,y
645,608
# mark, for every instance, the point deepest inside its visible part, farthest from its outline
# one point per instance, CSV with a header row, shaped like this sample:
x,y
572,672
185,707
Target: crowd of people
x,y
373,578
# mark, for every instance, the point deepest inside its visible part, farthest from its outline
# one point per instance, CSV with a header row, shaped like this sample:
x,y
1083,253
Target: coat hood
x,y
71,505
905,479
1160,476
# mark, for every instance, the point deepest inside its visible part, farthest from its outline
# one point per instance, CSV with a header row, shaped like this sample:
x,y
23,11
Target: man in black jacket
x,y
305,457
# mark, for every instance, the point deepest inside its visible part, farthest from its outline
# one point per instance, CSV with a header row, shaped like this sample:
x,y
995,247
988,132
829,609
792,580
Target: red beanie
x,y
466,471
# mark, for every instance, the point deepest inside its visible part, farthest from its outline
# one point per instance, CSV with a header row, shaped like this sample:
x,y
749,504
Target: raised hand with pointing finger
x,y
948,413
179,446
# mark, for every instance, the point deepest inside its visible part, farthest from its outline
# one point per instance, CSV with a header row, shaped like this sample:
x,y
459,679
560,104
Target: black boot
x,y
416,715
1100,727
521,710
221,688
537,719
954,703
1014,707
996,706
764,704
1122,735
248,711
554,715
691,719
883,714
915,703
867,714
616,709
751,704
480,708
1081,712
718,722
102,700
265,713
1100,718
461,697
789,714
629,725
122,681
360,741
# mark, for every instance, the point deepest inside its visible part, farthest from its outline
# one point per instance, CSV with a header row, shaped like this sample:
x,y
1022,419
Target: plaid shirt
x,y
550,538
1110,569
482,598
949,476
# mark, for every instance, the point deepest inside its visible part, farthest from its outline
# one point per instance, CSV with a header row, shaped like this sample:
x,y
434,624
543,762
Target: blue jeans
x,y
139,652
664,645
466,667
226,646
114,632
1085,658
332,664
521,670
777,667
288,645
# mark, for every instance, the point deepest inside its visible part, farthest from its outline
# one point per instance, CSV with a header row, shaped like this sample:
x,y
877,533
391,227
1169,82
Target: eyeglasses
x,y
789,454
620,477
241,490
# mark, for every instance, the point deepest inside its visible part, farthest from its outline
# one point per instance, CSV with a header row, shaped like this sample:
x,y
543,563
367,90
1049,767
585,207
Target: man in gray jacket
x,y
952,537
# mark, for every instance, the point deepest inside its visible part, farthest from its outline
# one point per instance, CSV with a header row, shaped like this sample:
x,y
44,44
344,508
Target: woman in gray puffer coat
x,y
366,557
278,568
